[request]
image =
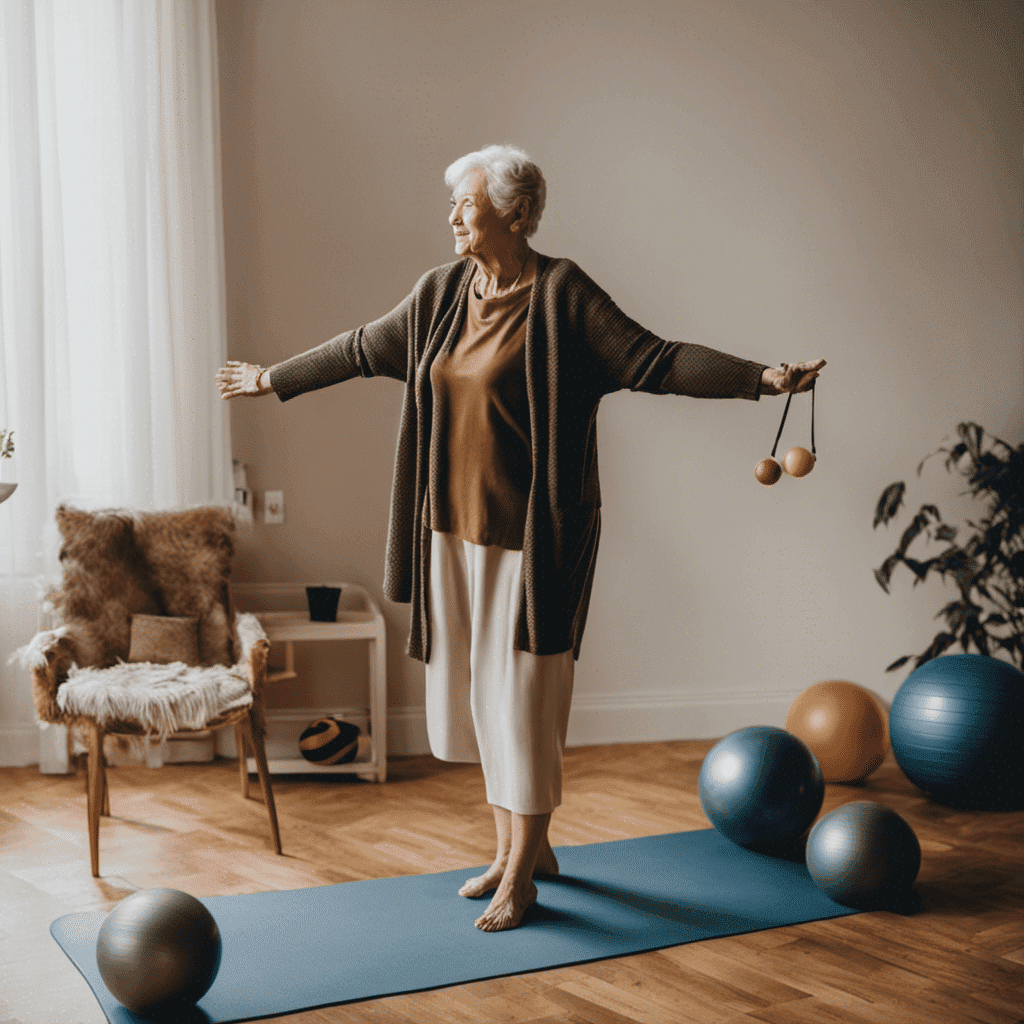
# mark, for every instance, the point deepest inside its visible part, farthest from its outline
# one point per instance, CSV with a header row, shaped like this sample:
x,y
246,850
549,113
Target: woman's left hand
x,y
791,377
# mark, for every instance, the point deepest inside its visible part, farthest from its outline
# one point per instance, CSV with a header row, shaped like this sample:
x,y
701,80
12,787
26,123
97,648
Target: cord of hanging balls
x,y
797,461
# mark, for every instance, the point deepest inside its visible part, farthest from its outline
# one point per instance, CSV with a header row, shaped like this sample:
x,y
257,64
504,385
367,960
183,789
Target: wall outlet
x,y
273,507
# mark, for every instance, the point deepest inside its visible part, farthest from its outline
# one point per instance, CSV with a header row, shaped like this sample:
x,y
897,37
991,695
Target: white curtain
x,y
112,315
112,311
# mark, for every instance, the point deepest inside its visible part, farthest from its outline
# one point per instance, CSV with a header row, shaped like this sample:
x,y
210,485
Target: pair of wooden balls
x,y
797,462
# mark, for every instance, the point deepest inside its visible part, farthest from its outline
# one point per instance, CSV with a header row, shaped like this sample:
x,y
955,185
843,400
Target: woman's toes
x,y
484,883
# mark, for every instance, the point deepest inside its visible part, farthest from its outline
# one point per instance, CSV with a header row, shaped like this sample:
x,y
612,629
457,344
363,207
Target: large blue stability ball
x,y
955,729
761,787
863,854
157,948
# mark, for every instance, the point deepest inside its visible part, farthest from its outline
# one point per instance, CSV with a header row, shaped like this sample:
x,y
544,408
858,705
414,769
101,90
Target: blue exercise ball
x,y
761,787
158,948
955,729
863,854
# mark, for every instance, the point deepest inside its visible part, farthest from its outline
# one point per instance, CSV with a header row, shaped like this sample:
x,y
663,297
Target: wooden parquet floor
x,y
960,959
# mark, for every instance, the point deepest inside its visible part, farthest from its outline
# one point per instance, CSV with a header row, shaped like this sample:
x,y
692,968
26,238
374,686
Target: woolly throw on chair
x,y
161,698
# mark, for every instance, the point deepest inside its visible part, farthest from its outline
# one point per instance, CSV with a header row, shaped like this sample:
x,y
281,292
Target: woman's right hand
x,y
243,379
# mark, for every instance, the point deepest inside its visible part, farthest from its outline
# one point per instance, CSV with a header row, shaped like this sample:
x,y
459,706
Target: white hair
x,y
511,176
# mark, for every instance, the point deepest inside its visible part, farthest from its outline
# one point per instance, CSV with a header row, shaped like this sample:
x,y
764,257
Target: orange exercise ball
x,y
845,725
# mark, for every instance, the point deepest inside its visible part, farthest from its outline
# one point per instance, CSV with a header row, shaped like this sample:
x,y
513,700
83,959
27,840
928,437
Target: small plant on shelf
x,y
987,566
6,444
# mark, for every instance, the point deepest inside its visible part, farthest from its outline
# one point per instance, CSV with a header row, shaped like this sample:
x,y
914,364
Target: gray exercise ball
x,y
761,787
158,947
863,854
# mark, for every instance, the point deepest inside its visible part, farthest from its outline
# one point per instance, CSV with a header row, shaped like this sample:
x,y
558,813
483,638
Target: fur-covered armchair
x,y
149,642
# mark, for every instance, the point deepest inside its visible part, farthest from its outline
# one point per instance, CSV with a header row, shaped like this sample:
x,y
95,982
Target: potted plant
x,y
6,451
986,565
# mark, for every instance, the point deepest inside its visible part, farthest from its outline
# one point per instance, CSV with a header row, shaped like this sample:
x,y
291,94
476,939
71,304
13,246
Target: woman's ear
x,y
522,211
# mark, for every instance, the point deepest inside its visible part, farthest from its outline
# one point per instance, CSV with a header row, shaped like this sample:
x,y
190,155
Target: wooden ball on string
x,y
798,461
768,472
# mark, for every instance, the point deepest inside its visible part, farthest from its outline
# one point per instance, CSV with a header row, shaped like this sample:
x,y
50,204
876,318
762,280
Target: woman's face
x,y
477,225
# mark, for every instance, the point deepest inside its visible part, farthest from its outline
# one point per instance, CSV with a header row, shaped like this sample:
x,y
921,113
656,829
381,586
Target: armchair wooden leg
x,y
255,740
105,808
243,770
105,805
95,793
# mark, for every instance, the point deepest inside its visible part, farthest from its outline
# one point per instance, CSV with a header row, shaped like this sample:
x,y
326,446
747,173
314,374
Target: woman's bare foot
x,y
547,864
507,908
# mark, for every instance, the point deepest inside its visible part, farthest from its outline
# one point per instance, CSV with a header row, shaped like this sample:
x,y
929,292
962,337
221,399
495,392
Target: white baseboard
x,y
596,718
19,747
649,717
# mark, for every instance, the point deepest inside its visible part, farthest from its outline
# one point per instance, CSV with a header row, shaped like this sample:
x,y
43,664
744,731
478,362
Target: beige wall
x,y
778,179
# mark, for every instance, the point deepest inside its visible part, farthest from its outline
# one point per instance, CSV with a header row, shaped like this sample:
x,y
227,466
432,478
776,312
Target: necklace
x,y
512,287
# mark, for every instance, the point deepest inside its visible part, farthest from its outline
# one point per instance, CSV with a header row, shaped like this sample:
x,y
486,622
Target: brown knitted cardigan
x,y
579,347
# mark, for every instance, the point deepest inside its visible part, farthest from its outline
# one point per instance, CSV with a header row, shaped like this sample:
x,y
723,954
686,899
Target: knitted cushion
x,y
163,639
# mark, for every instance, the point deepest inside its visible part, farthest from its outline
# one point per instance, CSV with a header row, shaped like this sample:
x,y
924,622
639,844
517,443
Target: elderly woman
x,y
495,512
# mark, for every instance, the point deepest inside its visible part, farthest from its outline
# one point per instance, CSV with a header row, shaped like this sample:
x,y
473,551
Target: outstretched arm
x,y
632,357
378,349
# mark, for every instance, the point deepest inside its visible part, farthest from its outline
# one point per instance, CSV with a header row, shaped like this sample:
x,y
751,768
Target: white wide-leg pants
x,y
507,710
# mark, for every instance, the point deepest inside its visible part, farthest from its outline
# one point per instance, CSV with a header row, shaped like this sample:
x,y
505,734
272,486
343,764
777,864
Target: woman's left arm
x,y
632,357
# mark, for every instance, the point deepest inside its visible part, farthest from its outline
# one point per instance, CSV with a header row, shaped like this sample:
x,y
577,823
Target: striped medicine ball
x,y
329,741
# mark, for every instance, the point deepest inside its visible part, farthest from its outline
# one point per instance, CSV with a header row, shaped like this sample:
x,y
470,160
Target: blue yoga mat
x,y
303,948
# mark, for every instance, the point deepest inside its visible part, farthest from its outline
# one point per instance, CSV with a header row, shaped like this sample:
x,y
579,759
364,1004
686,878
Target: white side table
x,y
359,618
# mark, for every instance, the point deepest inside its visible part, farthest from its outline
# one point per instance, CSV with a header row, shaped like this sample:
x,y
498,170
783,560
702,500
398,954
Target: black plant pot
x,y
323,603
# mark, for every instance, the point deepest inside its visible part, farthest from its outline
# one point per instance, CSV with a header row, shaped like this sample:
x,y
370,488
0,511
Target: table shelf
x,y
359,618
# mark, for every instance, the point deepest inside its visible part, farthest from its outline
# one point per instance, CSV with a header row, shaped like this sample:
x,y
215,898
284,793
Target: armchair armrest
x,y
48,656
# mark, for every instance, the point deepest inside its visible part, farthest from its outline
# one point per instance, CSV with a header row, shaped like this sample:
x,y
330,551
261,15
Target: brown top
x,y
480,485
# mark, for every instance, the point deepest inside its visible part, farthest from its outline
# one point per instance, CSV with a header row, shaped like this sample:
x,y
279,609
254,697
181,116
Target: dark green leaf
x,y
972,435
941,643
957,613
884,572
889,503
919,522
994,536
919,569
979,636
898,662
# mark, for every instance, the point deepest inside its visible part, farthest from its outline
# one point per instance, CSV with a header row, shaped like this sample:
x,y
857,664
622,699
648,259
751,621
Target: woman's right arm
x,y
379,349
